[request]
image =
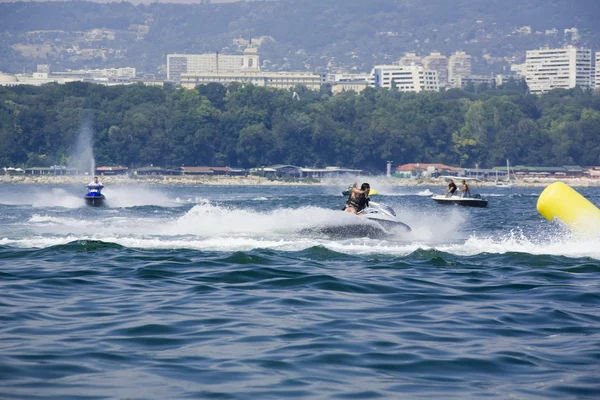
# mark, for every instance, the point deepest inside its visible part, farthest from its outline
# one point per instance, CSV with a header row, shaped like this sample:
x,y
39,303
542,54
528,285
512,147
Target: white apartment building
x,y
518,70
459,64
437,62
214,63
346,77
565,68
410,59
597,74
404,78
279,80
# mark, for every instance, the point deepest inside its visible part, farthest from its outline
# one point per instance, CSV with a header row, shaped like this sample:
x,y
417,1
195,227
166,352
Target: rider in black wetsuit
x,y
358,199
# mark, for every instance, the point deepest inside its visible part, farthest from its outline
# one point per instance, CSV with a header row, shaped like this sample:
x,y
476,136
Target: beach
x,y
252,180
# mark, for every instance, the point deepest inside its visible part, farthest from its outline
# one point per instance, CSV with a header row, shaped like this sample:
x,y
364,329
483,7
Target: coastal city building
x,y
214,63
404,78
248,70
346,82
178,64
597,74
44,75
410,59
437,62
459,64
518,70
462,81
346,86
280,80
565,68
346,77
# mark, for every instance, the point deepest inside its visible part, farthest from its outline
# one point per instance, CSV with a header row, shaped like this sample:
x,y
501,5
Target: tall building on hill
x,y
459,64
412,78
410,59
437,62
247,69
213,63
547,69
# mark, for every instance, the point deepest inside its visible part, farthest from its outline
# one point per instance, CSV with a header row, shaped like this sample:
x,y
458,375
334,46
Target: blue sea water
x,y
231,292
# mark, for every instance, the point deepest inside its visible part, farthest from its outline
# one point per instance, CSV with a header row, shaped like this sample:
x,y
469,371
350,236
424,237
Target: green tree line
x,y
245,126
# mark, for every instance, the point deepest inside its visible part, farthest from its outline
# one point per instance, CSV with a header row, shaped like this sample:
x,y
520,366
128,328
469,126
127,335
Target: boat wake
x,y
214,227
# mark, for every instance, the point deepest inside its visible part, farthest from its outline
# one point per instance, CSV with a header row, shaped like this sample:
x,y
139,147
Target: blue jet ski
x,y
94,197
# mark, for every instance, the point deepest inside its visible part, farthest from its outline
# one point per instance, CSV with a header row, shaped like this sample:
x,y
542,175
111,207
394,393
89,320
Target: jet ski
x,y
383,215
376,221
94,196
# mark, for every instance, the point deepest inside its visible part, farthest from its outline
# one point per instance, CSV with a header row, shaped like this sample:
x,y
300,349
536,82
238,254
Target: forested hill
x,y
313,35
249,126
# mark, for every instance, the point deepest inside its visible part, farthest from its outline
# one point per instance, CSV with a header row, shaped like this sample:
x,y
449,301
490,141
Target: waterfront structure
x,y
437,62
597,74
346,82
280,80
35,79
107,77
248,70
459,64
462,81
345,77
91,74
214,63
404,78
178,64
347,86
565,68
8,80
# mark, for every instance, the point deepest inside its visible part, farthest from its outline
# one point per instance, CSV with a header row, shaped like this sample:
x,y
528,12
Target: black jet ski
x,y
94,196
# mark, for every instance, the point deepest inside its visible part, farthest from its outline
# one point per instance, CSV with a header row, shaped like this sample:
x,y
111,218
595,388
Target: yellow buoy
x,y
372,192
559,201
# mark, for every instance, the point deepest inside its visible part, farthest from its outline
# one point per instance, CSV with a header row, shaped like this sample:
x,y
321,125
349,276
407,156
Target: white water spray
x,y
82,156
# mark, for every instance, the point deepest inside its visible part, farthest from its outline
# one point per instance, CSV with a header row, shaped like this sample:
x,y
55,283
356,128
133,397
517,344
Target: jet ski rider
x,y
358,199
95,185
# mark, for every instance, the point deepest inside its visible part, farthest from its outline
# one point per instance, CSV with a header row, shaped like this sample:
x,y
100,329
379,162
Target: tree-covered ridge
x,y
309,35
247,126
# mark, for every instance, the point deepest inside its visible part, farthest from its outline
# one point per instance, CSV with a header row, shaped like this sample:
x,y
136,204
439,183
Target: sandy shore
x,y
255,180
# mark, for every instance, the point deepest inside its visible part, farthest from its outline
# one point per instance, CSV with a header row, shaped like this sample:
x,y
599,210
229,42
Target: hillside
x,y
314,35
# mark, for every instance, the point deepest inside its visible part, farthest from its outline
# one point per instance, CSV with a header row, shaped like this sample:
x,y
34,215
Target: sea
x,y
235,292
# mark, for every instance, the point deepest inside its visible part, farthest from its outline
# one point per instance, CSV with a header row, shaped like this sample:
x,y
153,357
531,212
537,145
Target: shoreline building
x,y
279,80
597,74
437,62
346,82
459,67
214,63
410,59
249,72
565,68
404,78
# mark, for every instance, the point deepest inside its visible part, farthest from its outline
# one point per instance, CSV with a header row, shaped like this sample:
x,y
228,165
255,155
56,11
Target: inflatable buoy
x,y
559,201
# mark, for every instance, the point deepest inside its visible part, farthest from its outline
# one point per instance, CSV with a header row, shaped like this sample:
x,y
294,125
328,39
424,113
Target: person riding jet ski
x,y
358,199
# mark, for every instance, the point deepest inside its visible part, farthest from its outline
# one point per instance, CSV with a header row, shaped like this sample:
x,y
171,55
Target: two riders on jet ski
x,y
358,199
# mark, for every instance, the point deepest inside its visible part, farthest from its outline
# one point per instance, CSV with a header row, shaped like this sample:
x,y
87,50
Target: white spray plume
x,y
82,155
